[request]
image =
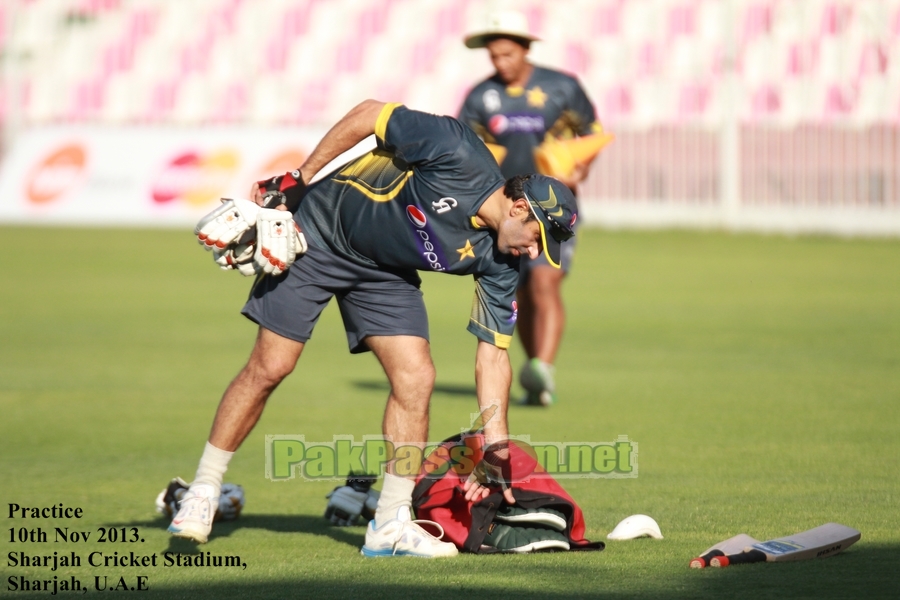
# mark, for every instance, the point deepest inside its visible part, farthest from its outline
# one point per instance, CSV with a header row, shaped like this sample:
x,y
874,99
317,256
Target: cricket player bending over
x,y
429,197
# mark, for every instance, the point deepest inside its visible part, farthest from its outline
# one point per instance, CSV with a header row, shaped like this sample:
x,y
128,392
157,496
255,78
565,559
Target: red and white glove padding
x,y
278,241
239,255
226,224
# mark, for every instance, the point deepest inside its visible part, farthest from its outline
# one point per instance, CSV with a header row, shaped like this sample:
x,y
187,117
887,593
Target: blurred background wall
x,y
769,115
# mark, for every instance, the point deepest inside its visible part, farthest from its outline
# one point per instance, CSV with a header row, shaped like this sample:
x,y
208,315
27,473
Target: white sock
x,y
395,492
212,467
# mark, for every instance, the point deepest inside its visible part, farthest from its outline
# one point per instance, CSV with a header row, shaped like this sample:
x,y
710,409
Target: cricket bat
x,y
733,545
819,542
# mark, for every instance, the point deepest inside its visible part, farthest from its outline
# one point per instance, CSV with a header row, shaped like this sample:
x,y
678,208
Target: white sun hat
x,y
503,23
636,526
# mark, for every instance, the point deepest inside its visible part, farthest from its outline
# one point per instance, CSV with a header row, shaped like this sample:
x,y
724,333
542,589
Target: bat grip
x,y
744,558
710,555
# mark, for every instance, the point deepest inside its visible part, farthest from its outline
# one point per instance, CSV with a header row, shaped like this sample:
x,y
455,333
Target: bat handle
x,y
742,558
703,561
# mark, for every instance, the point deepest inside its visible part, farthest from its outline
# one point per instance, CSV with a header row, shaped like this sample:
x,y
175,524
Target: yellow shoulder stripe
x,y
383,117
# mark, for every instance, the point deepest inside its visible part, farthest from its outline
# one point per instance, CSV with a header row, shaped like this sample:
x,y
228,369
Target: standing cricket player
x,y
516,108
430,197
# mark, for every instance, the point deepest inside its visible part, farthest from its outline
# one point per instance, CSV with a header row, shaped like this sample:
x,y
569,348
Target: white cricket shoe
x,y
537,377
195,516
404,537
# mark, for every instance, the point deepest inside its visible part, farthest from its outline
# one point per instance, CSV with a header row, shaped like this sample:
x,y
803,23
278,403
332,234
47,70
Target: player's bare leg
x,y
272,359
549,319
541,323
407,363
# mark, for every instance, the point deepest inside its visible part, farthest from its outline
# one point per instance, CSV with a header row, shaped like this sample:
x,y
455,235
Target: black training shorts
x,y
372,301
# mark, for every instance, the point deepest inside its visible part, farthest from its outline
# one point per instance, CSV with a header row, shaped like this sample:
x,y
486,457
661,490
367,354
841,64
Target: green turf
x,y
759,376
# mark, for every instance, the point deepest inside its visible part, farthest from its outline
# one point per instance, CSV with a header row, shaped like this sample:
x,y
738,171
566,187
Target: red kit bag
x,y
438,496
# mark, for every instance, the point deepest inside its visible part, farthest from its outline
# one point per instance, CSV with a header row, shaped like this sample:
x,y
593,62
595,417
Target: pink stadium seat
x,y
295,20
119,56
449,21
894,25
765,102
391,90
617,104
682,20
424,53
313,101
87,100
233,103
93,7
693,100
873,59
577,58
348,57
648,59
142,23
757,20
371,21
535,15
801,58
836,17
162,101
840,101
276,51
607,19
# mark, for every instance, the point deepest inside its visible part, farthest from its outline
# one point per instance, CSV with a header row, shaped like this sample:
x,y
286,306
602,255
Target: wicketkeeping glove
x,y
226,224
279,241
347,503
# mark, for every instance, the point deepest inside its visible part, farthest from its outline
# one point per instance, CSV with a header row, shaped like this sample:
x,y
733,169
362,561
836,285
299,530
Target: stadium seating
x,y
644,62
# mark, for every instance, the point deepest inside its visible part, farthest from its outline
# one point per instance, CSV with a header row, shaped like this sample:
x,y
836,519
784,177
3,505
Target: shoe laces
x,y
418,530
196,506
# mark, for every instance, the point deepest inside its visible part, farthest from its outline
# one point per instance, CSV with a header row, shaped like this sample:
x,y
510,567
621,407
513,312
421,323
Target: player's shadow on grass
x,y
449,389
315,525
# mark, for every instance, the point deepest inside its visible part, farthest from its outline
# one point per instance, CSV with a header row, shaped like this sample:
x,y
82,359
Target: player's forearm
x,y
354,127
493,376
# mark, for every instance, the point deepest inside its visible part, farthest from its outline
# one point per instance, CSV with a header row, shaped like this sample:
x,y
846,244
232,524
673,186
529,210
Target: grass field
x,y
759,375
